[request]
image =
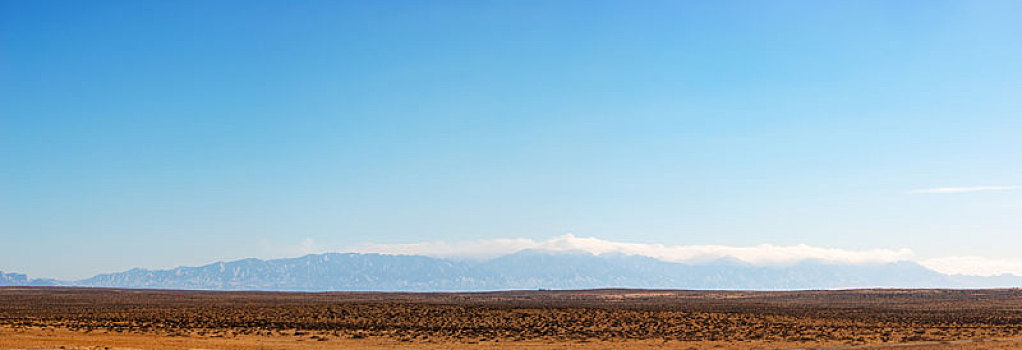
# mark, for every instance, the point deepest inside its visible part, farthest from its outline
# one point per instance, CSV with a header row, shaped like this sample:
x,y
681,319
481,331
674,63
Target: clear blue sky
x,y
165,133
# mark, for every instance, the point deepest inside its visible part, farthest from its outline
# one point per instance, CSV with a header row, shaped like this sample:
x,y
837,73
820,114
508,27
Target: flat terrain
x,y
76,318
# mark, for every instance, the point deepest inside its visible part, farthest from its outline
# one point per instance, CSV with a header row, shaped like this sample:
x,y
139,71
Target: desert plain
x,y
84,318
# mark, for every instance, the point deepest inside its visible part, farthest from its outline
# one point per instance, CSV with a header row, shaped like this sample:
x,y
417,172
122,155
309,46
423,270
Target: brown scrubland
x,y
81,318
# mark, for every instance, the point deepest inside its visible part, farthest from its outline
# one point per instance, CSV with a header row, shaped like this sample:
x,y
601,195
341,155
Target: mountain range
x,y
522,270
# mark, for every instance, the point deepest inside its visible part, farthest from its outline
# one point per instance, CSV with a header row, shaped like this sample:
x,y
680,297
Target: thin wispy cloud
x,y
965,189
275,250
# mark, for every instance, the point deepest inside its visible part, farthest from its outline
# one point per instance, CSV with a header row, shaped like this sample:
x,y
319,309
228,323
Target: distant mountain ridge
x,y
12,279
522,270
17,279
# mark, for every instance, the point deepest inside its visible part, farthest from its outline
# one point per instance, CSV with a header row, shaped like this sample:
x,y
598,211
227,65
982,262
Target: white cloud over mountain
x,y
974,266
764,254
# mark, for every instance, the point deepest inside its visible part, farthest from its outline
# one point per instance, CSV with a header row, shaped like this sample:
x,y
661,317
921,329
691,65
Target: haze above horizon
x,y
160,134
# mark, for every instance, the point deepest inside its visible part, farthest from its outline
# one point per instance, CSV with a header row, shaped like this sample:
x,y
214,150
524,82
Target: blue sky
x,y
157,134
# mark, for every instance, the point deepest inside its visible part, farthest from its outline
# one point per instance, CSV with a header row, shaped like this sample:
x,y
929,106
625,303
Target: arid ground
x,y
76,318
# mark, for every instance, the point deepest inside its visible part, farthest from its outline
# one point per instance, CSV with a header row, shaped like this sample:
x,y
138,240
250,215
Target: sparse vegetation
x,y
838,317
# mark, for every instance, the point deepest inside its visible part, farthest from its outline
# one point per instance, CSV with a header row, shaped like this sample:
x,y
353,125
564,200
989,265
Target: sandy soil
x,y
37,338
